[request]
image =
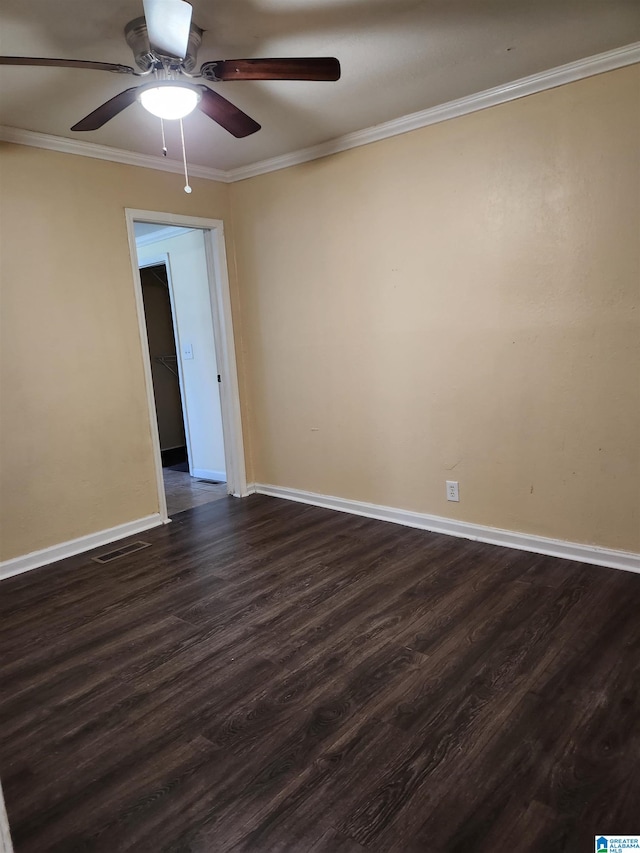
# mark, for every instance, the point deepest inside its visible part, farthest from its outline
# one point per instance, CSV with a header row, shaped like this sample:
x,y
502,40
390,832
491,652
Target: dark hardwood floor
x,y
271,676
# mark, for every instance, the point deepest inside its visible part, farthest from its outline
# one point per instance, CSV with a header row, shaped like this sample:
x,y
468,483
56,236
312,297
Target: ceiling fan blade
x,y
105,112
168,24
226,114
66,63
308,68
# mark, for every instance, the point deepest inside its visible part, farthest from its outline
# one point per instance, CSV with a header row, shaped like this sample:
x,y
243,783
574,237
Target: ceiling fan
x,y
165,44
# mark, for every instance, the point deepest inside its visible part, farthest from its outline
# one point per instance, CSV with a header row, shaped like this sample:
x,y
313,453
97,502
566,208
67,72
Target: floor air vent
x,y
121,552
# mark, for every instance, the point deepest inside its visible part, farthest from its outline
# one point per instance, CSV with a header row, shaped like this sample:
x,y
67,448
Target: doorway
x,y
167,388
184,316
183,490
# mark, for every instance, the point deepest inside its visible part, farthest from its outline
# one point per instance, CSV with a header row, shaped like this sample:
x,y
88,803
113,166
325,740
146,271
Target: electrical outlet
x,y
452,490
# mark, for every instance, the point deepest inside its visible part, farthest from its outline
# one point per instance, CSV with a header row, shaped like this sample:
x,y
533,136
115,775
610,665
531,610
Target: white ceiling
x,y
397,56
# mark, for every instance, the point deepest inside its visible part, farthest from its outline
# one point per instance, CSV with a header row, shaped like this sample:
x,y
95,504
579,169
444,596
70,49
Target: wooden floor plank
x,y
270,676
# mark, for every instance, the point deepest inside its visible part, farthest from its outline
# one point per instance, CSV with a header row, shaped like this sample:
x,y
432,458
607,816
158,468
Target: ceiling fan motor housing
x,y
138,40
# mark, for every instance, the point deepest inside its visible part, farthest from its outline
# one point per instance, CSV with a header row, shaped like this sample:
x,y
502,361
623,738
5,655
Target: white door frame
x,y
224,344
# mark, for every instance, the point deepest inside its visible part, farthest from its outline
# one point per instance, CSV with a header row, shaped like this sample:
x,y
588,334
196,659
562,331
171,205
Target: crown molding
x,y
104,152
570,73
609,61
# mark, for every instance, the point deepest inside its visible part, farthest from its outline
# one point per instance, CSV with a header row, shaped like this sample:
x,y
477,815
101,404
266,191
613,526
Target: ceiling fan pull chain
x,y
164,144
187,188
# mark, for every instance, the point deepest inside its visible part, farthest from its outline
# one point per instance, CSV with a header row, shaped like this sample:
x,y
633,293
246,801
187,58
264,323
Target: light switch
x,y
187,351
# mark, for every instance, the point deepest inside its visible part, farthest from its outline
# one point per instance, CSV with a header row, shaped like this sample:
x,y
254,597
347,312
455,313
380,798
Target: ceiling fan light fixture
x,y
169,102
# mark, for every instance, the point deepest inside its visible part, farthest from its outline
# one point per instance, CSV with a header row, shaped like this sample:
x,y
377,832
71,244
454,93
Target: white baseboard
x,y
77,546
437,524
5,836
206,474
509,539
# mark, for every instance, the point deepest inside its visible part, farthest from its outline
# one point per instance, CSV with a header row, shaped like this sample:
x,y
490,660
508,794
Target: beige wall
x,y
76,451
460,302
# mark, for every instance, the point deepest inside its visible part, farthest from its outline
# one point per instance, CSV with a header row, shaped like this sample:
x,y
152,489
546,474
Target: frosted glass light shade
x,y
169,102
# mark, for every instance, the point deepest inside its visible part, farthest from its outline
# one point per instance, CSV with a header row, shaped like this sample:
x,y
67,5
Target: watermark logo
x,y
617,843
